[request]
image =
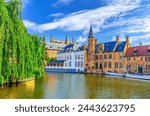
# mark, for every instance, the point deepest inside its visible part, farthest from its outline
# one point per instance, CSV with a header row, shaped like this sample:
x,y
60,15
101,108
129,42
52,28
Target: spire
x,y
66,42
72,40
51,39
91,32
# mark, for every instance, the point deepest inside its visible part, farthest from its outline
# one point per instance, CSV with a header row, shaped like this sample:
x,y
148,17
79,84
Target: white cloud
x,y
80,20
32,26
81,39
132,25
56,15
144,39
62,2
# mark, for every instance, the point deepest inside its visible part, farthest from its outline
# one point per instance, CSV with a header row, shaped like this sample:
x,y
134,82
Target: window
x,y
141,58
148,67
116,64
128,58
134,58
65,64
101,57
128,67
135,52
81,56
100,66
121,55
109,65
105,64
96,65
145,59
76,64
148,59
148,50
70,63
121,65
101,49
78,57
96,57
81,63
105,56
75,57
110,56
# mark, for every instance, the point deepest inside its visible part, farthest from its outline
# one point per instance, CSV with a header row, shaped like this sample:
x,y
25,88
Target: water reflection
x,y
78,86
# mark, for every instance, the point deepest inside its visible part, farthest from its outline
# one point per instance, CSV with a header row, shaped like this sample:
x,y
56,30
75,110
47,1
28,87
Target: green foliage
x,y
20,52
50,59
1,80
37,73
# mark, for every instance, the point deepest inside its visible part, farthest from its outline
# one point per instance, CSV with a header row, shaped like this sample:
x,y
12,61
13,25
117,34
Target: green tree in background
x,y
50,59
21,54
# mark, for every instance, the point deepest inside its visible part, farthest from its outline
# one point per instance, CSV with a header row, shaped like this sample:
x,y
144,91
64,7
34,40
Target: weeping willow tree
x,y
21,54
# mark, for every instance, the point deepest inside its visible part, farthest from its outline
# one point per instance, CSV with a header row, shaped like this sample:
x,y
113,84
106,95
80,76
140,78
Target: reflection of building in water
x,y
50,87
91,85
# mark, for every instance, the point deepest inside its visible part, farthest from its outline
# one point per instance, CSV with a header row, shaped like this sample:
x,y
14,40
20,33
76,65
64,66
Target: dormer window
x,y
101,49
135,51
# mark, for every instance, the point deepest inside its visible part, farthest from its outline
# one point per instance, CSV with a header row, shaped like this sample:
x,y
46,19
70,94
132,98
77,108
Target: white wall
x,y
70,58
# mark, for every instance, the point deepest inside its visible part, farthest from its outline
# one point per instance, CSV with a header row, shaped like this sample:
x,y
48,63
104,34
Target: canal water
x,y
78,86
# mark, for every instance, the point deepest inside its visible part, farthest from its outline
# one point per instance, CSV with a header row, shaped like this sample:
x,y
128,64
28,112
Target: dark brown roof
x,y
138,51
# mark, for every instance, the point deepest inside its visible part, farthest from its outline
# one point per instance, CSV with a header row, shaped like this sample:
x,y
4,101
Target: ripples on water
x,y
78,86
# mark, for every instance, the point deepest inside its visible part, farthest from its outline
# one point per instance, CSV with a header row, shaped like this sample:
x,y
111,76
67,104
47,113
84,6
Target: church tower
x,y
91,51
66,41
91,41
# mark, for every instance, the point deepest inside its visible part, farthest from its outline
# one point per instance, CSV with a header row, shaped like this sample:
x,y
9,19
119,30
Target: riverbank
x,y
78,86
8,84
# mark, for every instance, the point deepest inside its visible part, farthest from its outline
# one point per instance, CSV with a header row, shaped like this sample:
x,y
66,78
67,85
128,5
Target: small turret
x,y
66,41
128,41
52,39
118,39
91,32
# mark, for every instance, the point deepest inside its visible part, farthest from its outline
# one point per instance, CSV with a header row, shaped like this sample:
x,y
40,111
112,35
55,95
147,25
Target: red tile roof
x,y
138,51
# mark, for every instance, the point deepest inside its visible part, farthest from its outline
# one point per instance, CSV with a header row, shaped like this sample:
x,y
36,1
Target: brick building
x,y
54,46
137,59
104,57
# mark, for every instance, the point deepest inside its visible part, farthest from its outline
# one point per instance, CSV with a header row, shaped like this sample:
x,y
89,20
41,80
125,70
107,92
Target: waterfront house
x,y
137,59
106,57
71,59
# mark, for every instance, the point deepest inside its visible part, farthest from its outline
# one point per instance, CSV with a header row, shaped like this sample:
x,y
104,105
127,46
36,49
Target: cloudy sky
x,y
109,18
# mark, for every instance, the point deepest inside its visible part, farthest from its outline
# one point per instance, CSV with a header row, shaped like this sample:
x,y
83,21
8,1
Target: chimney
x,y
140,43
84,47
95,41
117,39
128,41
